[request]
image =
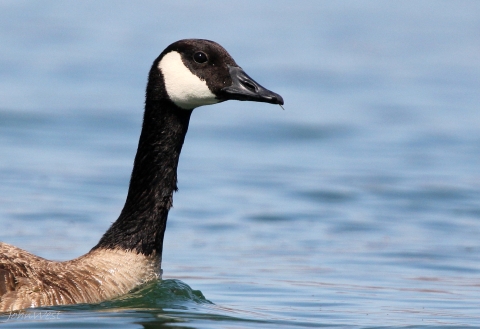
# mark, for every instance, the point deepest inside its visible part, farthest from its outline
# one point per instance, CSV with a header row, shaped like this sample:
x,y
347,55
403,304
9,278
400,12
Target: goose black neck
x,y
142,222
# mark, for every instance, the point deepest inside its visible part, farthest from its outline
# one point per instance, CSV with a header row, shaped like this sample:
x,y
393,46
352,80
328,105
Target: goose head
x,y
197,72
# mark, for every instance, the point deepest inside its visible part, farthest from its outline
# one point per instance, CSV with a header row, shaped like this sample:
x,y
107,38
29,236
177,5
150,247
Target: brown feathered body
x,y
27,280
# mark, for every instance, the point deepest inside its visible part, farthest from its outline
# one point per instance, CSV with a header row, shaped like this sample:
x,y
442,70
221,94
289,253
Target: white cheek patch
x,y
184,88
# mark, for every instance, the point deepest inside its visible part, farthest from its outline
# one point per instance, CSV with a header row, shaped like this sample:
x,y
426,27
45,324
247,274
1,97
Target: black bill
x,y
244,88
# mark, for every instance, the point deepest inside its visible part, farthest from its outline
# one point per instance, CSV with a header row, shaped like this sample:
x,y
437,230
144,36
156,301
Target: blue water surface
x,y
356,207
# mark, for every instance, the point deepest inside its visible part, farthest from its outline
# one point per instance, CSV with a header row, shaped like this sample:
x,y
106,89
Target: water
x,y
357,207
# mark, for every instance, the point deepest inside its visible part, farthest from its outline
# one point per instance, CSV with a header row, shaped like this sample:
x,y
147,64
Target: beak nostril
x,y
249,86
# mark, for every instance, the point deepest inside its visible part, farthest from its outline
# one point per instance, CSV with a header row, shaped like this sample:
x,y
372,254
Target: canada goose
x,y
187,74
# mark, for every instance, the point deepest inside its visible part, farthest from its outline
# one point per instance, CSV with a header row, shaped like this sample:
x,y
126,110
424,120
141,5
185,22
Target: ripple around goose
x,y
187,74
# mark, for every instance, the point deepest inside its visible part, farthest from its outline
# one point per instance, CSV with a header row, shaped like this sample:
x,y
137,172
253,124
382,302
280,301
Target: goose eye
x,y
200,57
